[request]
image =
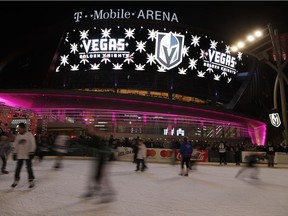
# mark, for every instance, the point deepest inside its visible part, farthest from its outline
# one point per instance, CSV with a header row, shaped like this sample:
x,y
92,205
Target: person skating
x,y
252,161
24,150
42,148
270,153
141,155
186,152
61,149
222,153
99,183
5,149
135,150
237,153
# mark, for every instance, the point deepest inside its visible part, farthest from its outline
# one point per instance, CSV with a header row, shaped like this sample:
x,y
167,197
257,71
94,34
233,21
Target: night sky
x,y
228,18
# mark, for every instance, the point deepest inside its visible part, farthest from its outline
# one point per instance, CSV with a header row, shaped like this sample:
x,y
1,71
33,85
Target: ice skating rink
x,y
210,190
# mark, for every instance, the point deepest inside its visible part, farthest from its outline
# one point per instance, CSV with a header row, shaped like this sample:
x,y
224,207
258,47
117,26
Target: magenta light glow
x,y
15,101
39,103
258,135
49,103
145,118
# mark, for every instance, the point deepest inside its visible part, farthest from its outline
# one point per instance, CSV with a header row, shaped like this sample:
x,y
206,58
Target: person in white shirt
x,y
24,150
141,155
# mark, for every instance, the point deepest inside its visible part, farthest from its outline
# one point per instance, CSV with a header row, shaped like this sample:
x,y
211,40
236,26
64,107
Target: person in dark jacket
x,y
270,154
135,150
222,153
5,149
186,152
237,153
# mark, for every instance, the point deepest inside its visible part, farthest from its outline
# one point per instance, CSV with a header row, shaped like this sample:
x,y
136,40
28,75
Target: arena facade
x,y
137,73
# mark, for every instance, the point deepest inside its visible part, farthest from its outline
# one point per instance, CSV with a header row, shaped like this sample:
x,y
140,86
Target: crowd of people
x,y
26,148
29,149
197,144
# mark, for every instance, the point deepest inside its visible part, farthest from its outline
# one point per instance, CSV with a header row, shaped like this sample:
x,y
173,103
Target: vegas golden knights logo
x,y
275,119
168,49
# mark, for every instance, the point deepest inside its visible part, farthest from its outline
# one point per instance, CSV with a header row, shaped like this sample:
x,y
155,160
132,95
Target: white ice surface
x,y
208,191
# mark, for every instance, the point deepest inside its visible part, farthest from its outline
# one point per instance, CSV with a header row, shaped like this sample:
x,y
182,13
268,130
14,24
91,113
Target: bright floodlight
x,y
234,49
250,38
240,44
258,33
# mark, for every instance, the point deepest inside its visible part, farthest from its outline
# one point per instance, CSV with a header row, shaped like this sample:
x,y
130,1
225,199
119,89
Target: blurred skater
x,y
186,152
193,160
61,149
24,150
135,150
99,183
5,149
42,144
251,166
174,145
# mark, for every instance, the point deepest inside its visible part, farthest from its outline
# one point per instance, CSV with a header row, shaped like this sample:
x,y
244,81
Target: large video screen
x,y
163,56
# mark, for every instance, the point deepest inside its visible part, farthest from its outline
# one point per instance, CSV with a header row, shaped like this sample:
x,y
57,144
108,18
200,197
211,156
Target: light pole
x,y
279,68
261,50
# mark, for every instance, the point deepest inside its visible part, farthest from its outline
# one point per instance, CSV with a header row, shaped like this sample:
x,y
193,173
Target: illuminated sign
x,y
168,49
16,121
179,132
155,15
103,48
275,119
160,49
98,45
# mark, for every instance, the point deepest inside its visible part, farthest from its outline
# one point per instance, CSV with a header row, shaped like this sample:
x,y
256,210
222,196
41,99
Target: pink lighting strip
x,y
256,129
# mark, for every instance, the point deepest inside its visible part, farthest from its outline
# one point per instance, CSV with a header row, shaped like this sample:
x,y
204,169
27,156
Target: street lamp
x,y
259,44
